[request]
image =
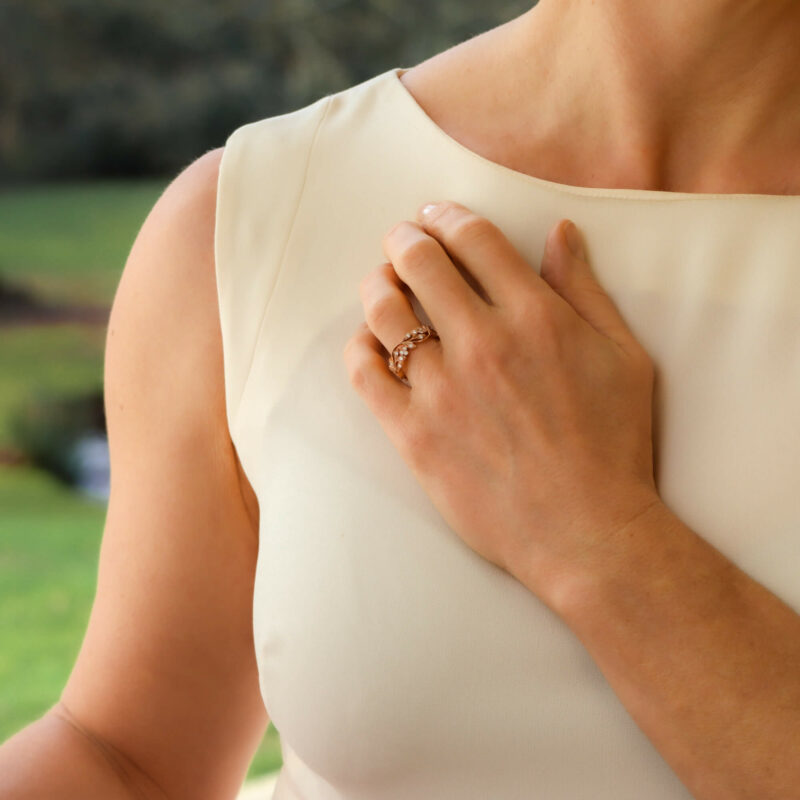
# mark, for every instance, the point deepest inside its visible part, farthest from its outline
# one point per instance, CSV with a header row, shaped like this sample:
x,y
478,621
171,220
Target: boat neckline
x,y
410,102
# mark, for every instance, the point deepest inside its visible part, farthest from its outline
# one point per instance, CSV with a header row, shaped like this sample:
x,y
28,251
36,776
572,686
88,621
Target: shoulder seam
x,y
281,257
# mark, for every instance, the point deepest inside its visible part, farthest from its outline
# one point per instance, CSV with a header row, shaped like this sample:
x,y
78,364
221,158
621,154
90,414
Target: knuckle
x,y
543,320
483,351
369,277
354,342
357,370
505,345
548,324
364,283
534,301
534,308
472,228
418,254
385,270
444,403
358,378
417,439
473,342
379,311
390,233
493,360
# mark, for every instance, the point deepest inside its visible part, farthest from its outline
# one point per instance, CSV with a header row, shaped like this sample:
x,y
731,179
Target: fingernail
x,y
428,209
574,241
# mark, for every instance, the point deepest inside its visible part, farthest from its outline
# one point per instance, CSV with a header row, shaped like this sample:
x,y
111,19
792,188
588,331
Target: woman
x,y
459,577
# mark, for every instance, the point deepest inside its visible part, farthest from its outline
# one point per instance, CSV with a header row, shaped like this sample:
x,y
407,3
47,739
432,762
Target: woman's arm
x,y
705,659
163,701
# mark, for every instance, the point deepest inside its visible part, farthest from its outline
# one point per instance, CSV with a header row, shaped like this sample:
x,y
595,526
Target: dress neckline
x,y
408,101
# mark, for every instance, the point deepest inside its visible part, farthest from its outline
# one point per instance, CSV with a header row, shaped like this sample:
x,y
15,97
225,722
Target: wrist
x,y
617,553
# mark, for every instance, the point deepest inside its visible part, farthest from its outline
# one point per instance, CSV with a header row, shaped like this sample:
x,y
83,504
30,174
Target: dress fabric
x,y
395,662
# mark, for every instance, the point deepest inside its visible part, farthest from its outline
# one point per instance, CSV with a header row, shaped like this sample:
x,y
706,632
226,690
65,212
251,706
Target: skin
x,y
147,713
694,95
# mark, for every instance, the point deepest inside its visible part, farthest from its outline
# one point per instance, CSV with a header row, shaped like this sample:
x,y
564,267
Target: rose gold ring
x,y
409,342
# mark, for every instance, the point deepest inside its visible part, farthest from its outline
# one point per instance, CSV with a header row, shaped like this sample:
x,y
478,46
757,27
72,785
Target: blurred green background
x,y
101,104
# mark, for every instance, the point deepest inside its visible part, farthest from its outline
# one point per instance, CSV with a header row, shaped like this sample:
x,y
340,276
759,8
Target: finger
x,y
390,315
483,249
569,273
421,263
385,395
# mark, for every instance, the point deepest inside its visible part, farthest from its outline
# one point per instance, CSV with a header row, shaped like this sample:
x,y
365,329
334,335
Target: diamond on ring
x,y
400,351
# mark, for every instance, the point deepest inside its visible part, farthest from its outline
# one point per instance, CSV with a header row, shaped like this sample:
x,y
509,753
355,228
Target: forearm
x,y
52,758
705,659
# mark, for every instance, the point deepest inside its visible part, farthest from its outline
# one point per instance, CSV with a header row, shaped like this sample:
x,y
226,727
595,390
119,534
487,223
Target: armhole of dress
x,y
259,187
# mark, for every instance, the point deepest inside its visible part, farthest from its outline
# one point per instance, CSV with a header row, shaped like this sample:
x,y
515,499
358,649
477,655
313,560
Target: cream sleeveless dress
x,y
395,662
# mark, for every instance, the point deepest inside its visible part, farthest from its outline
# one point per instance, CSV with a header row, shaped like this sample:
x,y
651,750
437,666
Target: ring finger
x,y
390,315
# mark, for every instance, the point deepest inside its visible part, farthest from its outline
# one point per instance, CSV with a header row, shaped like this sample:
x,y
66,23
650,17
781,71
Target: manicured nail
x,y
574,241
428,209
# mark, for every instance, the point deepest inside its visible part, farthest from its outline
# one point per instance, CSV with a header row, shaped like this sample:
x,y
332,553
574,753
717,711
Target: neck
x,y
699,93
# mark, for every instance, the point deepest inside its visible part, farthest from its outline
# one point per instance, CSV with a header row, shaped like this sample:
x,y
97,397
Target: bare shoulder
x,y
167,302
167,673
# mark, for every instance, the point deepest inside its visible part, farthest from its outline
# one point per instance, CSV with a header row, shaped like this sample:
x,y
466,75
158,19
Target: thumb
x,y
566,268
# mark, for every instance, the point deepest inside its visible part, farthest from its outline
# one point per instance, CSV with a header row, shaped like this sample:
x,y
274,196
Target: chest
x,y
382,639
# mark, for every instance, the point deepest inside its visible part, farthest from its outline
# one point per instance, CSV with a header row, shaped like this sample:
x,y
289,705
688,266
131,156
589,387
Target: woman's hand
x,y
529,421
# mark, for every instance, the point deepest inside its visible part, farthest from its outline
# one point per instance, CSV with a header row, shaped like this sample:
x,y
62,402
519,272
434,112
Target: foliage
x,y
132,87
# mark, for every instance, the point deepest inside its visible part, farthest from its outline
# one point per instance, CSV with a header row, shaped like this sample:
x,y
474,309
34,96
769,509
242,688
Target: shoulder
x,y
179,227
163,375
172,256
192,192
165,298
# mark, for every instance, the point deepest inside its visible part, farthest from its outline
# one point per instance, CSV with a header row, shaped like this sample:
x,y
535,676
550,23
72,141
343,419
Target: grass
x,y
69,242
49,538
